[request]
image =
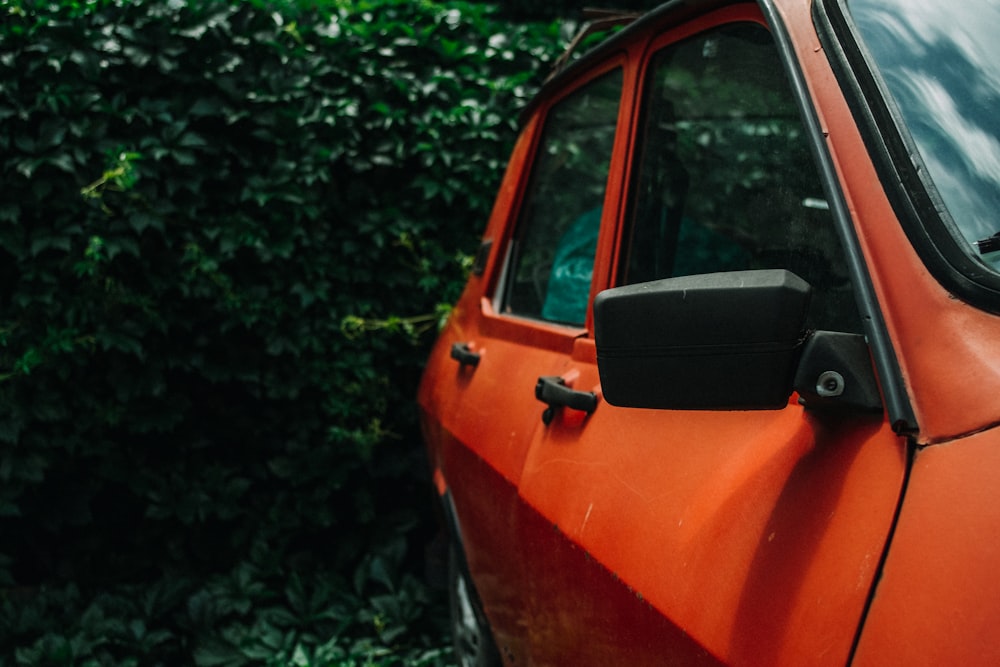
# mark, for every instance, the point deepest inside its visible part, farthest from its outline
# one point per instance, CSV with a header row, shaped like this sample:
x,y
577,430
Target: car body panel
x,y
937,601
744,532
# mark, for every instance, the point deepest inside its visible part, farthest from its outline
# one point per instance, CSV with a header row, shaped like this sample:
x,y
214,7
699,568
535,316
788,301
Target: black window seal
x,y
914,200
897,402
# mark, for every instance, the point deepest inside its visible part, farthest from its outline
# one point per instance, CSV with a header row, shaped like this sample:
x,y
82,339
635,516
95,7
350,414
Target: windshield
x,y
941,62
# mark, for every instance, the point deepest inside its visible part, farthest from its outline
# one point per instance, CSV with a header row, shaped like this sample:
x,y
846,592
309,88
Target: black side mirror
x,y
725,341
714,341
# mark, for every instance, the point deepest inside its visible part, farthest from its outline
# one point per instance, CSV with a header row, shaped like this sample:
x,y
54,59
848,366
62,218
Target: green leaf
x,y
218,653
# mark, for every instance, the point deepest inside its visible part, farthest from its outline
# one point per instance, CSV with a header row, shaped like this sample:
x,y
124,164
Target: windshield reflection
x,y
941,63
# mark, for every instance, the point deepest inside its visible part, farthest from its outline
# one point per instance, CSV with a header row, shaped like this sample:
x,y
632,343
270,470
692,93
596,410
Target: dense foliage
x,y
225,232
532,10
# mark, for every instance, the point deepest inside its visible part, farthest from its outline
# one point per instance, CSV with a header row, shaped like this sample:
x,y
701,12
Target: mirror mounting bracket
x,y
835,372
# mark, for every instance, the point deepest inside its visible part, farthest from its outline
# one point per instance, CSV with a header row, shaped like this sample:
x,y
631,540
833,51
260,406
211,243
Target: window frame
x,y
497,289
716,23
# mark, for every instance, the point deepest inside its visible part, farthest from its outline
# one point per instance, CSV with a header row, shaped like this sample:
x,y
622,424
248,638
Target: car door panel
x,y
582,613
481,417
774,524
479,462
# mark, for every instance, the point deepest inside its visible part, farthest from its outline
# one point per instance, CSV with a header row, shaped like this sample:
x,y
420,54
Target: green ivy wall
x,y
226,229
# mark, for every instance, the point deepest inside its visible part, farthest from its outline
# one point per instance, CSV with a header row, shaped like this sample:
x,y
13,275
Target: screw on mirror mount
x,y
835,372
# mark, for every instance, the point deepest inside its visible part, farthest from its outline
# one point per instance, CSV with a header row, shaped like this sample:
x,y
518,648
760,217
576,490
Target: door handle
x,y
552,390
461,353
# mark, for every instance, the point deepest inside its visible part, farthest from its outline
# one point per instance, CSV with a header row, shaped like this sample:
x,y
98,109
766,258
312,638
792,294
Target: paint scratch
x,y
586,517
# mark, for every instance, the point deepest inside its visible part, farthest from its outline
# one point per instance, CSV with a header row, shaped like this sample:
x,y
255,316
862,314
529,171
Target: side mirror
x,y
716,341
725,341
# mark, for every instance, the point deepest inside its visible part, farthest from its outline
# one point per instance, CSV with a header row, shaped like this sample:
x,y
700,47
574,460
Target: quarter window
x,y
552,256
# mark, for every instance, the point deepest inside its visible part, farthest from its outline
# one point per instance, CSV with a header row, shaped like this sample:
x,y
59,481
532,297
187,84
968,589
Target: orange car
x,y
724,384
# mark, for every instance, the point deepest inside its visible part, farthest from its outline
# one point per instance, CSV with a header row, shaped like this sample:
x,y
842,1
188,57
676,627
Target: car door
x,y
519,318
675,536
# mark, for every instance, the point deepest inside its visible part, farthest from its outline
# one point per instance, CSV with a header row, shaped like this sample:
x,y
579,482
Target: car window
x,y
939,61
552,255
725,180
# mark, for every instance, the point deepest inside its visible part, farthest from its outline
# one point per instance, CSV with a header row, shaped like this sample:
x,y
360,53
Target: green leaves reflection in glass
x,y
725,179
